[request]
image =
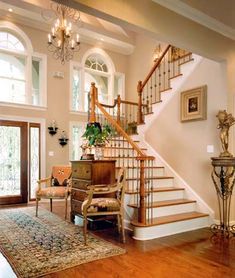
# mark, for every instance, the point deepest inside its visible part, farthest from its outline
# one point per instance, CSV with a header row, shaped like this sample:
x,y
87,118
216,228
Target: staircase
x,y
155,204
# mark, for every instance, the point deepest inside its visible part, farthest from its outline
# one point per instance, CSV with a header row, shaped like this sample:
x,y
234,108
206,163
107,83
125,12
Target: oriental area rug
x,y
36,246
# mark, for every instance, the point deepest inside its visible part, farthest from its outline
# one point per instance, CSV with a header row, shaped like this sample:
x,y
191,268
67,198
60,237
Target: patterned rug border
x,y
12,264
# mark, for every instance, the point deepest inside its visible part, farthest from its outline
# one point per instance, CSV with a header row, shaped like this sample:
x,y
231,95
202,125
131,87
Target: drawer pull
x,y
87,171
75,171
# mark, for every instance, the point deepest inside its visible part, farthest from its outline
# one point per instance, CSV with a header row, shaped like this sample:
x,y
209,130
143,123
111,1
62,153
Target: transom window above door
x,y
22,72
98,68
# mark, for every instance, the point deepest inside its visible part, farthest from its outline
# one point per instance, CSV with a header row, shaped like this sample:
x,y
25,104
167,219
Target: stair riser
x,y
156,183
168,182
147,233
161,196
159,172
170,210
155,172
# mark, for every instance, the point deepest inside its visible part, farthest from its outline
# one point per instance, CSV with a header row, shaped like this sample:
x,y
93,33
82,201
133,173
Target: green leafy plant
x,y
97,136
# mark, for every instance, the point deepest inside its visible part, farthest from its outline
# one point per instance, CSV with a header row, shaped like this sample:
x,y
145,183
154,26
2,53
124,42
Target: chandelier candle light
x,y
62,40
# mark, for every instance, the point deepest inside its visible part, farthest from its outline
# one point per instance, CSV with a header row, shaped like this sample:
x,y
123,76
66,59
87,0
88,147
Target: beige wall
x,y
57,95
140,63
183,145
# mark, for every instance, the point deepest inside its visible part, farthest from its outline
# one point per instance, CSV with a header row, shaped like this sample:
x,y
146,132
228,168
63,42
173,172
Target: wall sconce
x,y
63,140
157,53
53,128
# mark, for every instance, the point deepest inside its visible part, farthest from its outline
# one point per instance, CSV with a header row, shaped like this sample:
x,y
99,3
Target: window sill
x,y
23,106
81,113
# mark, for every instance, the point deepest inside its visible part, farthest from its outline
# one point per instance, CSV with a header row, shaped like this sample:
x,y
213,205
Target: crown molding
x,y
197,16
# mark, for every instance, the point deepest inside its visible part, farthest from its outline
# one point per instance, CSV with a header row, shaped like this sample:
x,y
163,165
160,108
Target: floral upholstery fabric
x,y
102,204
58,192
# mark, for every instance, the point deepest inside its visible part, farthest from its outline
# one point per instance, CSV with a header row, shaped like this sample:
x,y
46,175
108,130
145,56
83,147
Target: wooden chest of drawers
x,y
85,173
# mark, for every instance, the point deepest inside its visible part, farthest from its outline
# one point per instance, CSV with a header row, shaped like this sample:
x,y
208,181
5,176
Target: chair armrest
x,y
101,187
46,181
104,188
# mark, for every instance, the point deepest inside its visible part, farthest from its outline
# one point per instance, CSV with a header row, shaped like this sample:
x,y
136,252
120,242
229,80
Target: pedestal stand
x,y
223,176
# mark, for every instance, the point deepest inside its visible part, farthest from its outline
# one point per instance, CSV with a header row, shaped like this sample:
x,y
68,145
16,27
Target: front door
x,y
13,162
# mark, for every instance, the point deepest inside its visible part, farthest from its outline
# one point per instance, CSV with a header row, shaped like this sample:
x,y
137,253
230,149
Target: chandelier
x,y
63,41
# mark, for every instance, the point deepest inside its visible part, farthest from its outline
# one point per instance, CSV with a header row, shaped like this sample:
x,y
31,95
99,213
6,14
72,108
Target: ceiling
x,y
92,30
218,15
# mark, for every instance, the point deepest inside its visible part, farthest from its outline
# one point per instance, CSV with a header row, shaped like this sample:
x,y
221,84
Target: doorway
x,y
19,161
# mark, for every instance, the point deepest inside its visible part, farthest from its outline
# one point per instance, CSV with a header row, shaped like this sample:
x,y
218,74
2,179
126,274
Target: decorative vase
x,y
99,153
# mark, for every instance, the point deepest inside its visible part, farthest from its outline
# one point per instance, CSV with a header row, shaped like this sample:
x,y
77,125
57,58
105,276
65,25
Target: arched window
x,y
10,42
96,67
21,76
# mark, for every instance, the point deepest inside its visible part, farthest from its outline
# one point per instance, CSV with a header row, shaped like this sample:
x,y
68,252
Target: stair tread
x,y
171,219
159,189
166,203
153,178
175,76
185,62
164,90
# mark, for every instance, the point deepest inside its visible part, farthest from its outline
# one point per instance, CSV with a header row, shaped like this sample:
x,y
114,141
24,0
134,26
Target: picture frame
x,y
193,104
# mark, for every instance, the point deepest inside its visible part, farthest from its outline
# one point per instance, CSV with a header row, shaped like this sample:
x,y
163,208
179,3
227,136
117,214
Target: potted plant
x,y
97,137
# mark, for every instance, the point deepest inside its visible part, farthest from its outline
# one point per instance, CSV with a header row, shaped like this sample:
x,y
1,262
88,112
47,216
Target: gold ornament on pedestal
x,y
225,121
223,176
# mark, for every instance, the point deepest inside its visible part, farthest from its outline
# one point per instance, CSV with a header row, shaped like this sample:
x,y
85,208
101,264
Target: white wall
x,y
183,145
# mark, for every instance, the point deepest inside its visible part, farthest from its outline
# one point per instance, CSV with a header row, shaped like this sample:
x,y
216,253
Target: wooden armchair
x,y
57,186
94,205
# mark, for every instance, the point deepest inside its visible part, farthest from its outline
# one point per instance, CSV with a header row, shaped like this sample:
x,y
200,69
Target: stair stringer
x,y
202,206
186,69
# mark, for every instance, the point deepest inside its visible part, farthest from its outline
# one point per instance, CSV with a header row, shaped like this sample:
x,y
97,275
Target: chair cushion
x,y
102,204
58,192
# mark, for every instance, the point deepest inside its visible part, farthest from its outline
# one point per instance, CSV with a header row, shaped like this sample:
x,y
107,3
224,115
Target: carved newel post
x,y
223,176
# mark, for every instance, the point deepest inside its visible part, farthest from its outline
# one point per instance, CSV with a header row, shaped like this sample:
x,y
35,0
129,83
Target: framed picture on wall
x,y
193,104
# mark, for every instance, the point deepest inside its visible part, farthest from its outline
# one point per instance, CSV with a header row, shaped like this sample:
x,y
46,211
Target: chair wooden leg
x,y
119,223
36,207
85,229
66,205
51,205
123,230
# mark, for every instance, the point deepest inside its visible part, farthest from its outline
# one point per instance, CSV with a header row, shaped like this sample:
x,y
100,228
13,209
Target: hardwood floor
x,y
190,254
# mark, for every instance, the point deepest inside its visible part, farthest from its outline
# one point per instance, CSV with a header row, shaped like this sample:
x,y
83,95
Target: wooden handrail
x,y
129,102
154,67
121,131
121,101
109,105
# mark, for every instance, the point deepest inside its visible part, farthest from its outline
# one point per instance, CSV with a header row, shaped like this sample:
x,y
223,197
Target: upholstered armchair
x,y
57,186
106,200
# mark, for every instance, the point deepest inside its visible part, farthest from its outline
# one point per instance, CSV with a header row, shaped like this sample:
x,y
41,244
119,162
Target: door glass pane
x,y
34,159
10,167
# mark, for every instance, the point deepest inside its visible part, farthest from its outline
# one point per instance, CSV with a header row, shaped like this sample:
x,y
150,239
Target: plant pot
x,y
99,153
